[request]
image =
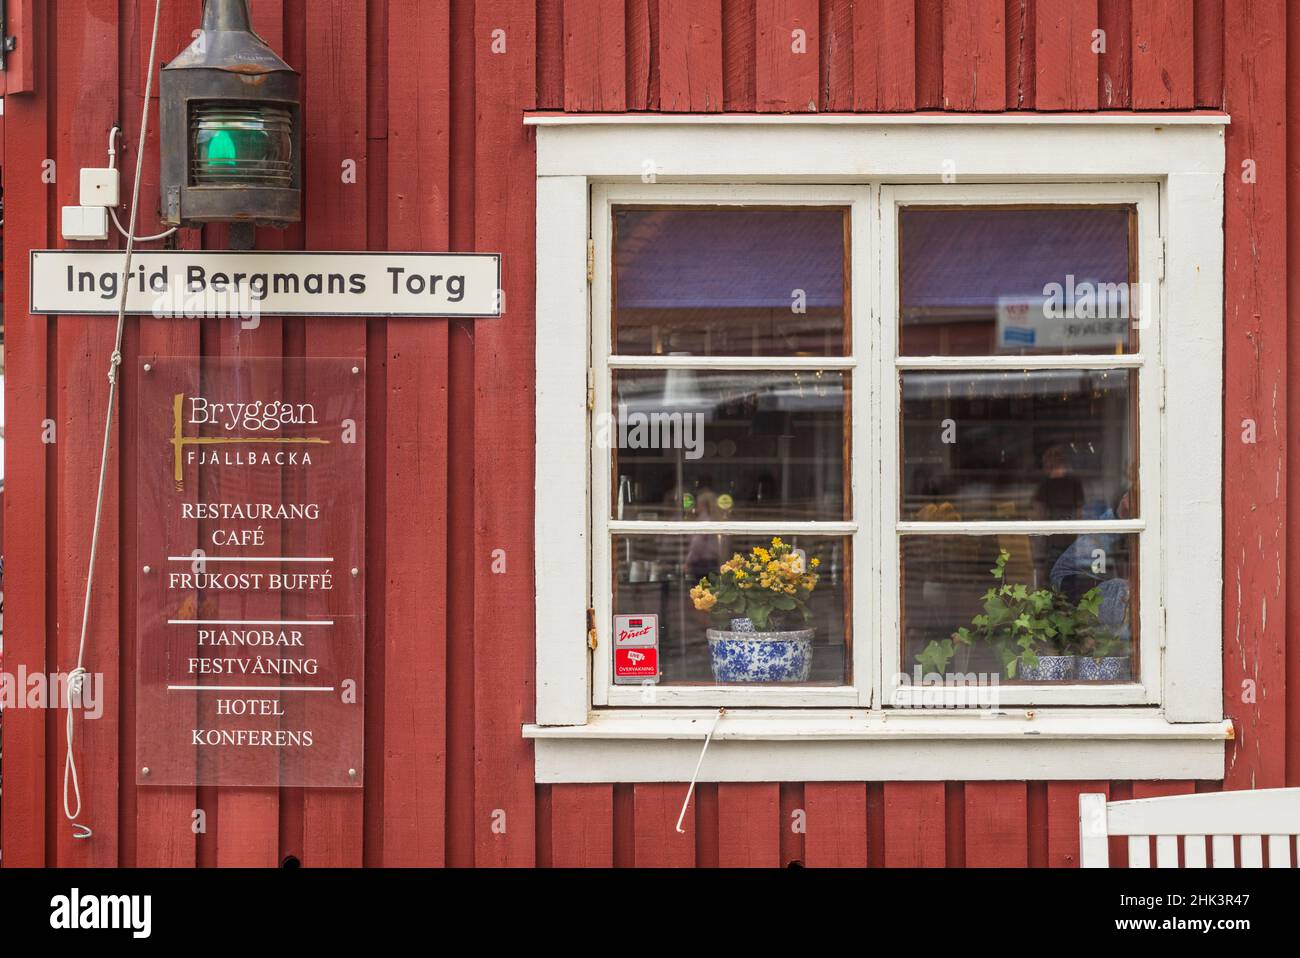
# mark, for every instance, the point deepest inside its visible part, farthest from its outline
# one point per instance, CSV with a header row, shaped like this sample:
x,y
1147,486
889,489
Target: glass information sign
x,y
250,651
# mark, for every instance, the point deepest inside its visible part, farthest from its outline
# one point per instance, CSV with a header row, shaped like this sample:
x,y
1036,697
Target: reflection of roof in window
x,y
970,257
668,259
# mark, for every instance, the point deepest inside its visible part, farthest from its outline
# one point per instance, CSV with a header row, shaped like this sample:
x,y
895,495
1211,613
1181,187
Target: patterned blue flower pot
x,y
1109,668
1050,668
761,656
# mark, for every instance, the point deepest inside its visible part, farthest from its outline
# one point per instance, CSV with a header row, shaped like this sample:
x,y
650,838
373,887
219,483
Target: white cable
x,y
112,165
696,774
140,239
77,677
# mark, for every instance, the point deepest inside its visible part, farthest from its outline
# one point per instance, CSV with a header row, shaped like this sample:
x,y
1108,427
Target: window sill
x,y
859,745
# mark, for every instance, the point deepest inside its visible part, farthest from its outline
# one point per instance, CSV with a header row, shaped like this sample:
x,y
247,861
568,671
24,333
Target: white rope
x,y
696,774
77,677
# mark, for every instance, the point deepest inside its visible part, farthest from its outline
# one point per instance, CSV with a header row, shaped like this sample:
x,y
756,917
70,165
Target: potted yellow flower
x,y
762,599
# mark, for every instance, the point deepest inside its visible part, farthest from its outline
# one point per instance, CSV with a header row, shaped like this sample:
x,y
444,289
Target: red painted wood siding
x,y
427,99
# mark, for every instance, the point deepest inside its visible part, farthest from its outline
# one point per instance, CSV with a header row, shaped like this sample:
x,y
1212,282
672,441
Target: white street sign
x,y
200,283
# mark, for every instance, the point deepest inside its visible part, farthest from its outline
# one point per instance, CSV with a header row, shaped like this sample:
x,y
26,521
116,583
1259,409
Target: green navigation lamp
x,y
231,122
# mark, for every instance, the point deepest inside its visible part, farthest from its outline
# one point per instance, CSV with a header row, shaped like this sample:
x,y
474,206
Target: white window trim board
x,y
1183,156
861,745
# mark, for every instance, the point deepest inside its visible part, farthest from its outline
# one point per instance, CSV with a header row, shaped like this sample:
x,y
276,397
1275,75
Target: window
x,y
1028,373
939,415
723,424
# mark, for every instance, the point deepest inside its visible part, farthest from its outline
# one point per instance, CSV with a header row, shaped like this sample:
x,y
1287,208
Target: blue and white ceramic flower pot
x,y
1050,668
1109,668
761,656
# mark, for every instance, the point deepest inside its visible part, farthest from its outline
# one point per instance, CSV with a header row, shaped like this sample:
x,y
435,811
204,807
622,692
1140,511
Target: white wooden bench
x,y
1250,816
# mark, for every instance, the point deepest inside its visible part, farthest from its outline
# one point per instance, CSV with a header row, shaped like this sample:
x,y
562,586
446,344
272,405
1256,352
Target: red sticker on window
x,y
636,664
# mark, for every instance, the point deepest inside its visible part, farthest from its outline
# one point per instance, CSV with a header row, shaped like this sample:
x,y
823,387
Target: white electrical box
x,y
85,223
99,187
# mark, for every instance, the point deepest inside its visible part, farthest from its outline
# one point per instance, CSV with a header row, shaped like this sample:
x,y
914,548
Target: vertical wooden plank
x,y
416,425
837,825
642,39
786,56
582,826
884,57
1292,706
377,198
690,56
86,105
1065,68
594,69
749,816
706,824
244,823
997,825
246,826
929,54
27,456
739,37
1162,55
624,825
1208,52
550,55
914,825
335,131
792,838
1063,820
1255,392
974,55
460,832
835,80
1021,59
293,329
20,62
504,432
657,843
954,839
1115,69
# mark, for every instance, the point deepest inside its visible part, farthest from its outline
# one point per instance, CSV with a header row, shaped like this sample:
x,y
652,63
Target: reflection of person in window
x,y
1059,496
704,553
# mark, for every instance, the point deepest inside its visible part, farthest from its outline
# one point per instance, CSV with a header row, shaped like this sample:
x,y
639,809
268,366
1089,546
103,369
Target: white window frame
x,y
1168,725
1145,198
860,530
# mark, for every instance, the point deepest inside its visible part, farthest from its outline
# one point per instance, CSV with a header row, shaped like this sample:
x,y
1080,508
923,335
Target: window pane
x,y
1088,599
744,281
654,575
1043,444
728,445
997,281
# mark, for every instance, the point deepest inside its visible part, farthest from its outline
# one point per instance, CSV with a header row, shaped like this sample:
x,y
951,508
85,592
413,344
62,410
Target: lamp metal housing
x,y
231,127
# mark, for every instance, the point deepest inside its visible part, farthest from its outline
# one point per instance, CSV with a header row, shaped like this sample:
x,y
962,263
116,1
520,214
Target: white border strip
x,y
877,119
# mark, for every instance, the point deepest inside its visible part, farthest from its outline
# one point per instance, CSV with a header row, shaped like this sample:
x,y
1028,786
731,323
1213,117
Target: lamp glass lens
x,y
236,144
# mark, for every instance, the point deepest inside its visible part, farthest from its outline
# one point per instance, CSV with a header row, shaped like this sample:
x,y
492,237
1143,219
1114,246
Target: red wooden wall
x,y
414,93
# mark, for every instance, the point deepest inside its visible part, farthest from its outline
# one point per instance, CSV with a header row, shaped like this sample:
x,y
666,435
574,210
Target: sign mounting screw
x,y
352,773
145,771
148,367
355,572
355,370
147,570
